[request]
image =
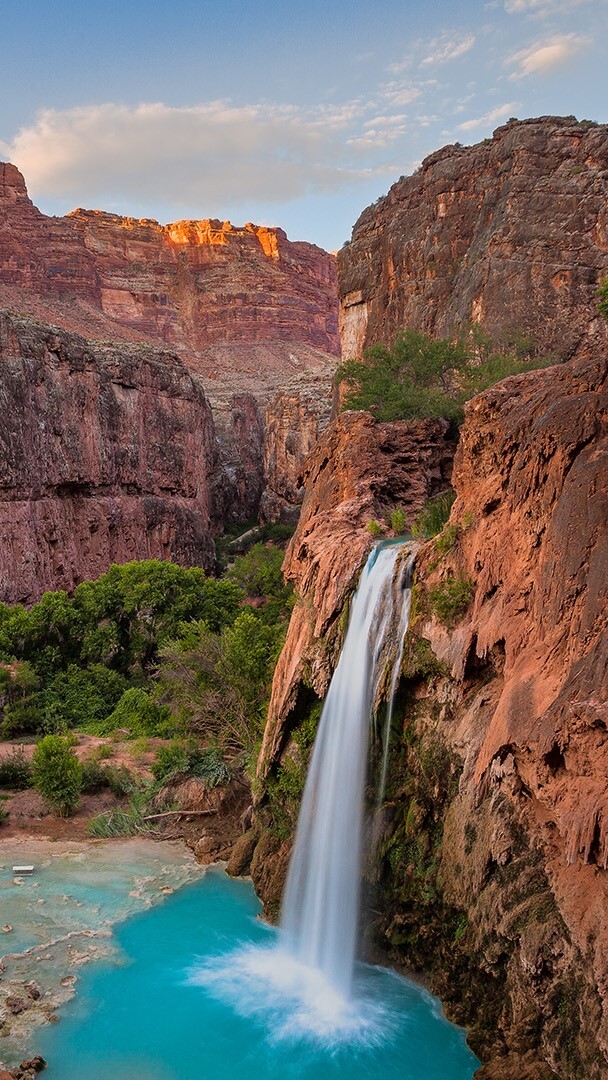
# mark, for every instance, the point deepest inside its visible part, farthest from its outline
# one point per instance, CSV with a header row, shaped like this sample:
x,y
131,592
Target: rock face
x,y
251,312
191,285
106,454
492,846
511,233
358,473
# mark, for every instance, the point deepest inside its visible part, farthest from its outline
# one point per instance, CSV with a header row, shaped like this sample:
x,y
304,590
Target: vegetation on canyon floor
x,y
418,376
149,650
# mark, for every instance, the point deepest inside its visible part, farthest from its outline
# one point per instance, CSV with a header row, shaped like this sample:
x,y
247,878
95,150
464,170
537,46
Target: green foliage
x,y
139,715
116,778
259,575
185,756
15,771
374,528
602,295
434,515
57,773
217,685
450,599
122,822
3,815
446,539
398,521
420,376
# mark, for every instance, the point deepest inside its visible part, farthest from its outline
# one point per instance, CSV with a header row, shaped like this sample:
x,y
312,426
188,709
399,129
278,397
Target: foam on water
x,y
292,1000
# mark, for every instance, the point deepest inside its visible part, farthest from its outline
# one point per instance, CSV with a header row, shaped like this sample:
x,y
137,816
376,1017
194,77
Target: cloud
x,y
541,7
545,55
439,50
500,113
443,49
205,155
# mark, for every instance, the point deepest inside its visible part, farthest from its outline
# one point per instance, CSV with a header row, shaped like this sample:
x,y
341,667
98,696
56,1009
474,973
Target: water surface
x,y
189,998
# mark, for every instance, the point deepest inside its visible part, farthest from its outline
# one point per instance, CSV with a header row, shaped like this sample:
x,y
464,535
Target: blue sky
x,y
288,113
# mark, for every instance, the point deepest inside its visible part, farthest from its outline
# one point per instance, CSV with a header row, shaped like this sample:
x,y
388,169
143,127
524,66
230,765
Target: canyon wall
x,y
511,233
251,313
106,454
490,873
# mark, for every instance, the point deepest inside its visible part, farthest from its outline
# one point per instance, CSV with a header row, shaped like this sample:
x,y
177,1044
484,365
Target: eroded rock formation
x,y
106,454
491,865
511,233
252,313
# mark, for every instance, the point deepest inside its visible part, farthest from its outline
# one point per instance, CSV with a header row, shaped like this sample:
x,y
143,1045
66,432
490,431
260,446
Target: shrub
x,y
434,515
3,815
57,773
374,528
397,520
185,756
15,771
419,376
451,598
259,575
602,295
138,714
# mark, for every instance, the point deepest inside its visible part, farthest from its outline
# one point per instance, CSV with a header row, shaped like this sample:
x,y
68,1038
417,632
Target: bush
x,y
374,529
138,714
185,756
259,575
420,377
451,599
398,521
15,771
434,516
602,295
57,773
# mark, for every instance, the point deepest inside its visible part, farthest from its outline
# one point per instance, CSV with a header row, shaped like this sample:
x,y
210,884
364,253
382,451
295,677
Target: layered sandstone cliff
x,y
192,285
490,868
511,233
106,454
252,313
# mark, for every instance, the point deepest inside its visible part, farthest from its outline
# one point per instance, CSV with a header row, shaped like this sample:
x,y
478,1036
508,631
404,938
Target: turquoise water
x,y
191,997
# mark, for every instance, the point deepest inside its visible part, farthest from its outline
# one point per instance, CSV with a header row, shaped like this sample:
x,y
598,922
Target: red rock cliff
x,y
511,233
106,454
191,284
491,872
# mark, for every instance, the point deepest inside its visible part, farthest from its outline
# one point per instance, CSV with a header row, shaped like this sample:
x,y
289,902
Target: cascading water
x,y
307,984
321,904
405,585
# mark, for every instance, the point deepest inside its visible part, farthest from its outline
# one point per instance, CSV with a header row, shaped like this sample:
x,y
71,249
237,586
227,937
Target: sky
x,y
296,113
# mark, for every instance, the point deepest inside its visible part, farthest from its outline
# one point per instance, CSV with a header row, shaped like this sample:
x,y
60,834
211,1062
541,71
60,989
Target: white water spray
x,y
321,903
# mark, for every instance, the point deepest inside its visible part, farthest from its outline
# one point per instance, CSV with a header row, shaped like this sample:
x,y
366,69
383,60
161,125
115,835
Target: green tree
x,y
57,773
420,376
218,684
259,575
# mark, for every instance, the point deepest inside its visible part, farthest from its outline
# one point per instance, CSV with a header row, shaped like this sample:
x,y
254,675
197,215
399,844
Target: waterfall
x,y
321,903
405,585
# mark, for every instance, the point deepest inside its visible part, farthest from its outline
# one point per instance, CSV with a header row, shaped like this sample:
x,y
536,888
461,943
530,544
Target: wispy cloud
x,y
206,155
500,113
547,54
442,49
434,51
543,7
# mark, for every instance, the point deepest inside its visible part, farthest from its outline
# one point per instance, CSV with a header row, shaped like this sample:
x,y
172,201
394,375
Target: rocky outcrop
x,y
511,233
526,706
192,285
490,873
106,454
358,473
251,312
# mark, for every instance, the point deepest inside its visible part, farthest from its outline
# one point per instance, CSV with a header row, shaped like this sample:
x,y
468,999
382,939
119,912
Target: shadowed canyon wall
x,y
106,454
490,861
